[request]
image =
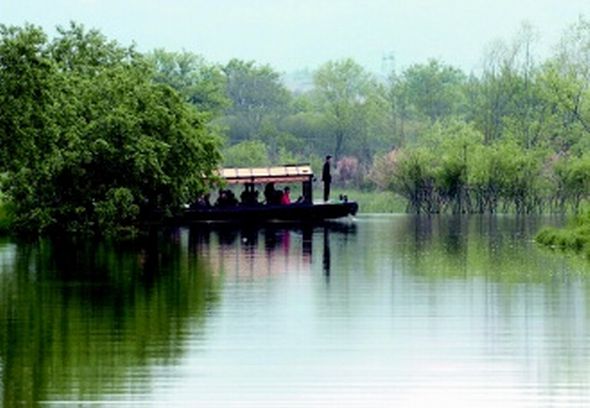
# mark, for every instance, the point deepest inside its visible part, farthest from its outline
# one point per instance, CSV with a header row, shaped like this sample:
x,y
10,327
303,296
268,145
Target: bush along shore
x,y
575,236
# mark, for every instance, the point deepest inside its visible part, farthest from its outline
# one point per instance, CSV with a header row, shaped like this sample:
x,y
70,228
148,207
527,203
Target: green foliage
x,y
309,127
246,154
413,178
576,236
573,179
202,84
505,99
575,239
452,170
349,99
89,126
117,212
26,74
434,89
286,156
6,216
370,201
565,126
256,94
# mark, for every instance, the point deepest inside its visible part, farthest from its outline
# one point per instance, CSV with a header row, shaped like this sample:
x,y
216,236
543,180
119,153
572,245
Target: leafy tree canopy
x,y
256,94
88,141
202,84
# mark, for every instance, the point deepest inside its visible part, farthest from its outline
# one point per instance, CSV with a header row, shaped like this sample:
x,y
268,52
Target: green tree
x,y
27,75
505,99
248,153
104,145
345,92
435,90
413,178
455,142
202,84
573,180
257,96
310,128
565,87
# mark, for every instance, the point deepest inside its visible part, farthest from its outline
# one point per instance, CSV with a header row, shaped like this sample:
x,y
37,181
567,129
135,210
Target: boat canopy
x,y
290,173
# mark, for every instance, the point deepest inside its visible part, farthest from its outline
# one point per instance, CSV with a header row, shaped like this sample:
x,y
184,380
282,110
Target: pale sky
x,y
297,34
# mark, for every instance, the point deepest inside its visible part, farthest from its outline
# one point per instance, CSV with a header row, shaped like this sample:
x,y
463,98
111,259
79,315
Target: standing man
x,y
326,178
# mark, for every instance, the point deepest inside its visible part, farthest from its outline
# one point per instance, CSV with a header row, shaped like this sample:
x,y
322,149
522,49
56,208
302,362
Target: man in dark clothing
x,y
271,195
327,177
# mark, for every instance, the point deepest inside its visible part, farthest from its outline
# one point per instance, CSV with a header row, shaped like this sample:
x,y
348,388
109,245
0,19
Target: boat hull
x,y
293,212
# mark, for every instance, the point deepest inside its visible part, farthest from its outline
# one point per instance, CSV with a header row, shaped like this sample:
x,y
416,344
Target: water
x,y
389,310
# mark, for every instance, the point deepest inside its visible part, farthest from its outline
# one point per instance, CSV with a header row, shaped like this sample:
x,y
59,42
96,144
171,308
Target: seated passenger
x,y
202,202
232,201
226,198
270,194
245,197
221,199
249,198
285,198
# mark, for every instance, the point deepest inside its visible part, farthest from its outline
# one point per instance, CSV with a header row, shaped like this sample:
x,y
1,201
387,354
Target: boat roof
x,y
289,173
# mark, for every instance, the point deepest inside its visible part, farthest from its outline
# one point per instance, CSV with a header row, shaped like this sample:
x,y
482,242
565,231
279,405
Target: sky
x,y
291,35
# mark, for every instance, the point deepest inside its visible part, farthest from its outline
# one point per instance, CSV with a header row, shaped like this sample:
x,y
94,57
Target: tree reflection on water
x,y
85,321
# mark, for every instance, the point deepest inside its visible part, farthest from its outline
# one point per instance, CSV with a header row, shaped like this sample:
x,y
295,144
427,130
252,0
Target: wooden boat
x,y
304,210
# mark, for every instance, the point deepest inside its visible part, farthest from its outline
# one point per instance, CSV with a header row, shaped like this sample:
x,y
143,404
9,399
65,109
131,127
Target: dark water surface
x,y
389,310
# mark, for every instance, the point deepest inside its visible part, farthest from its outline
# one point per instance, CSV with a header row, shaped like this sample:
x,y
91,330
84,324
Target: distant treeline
x,y
93,135
512,137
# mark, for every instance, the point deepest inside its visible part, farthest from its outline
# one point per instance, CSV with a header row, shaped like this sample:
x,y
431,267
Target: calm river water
x,y
459,312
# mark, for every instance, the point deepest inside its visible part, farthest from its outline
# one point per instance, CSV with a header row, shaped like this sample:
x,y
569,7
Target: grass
x,y
369,201
575,237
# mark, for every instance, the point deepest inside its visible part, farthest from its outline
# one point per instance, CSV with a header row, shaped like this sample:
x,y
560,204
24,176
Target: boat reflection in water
x,y
250,252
